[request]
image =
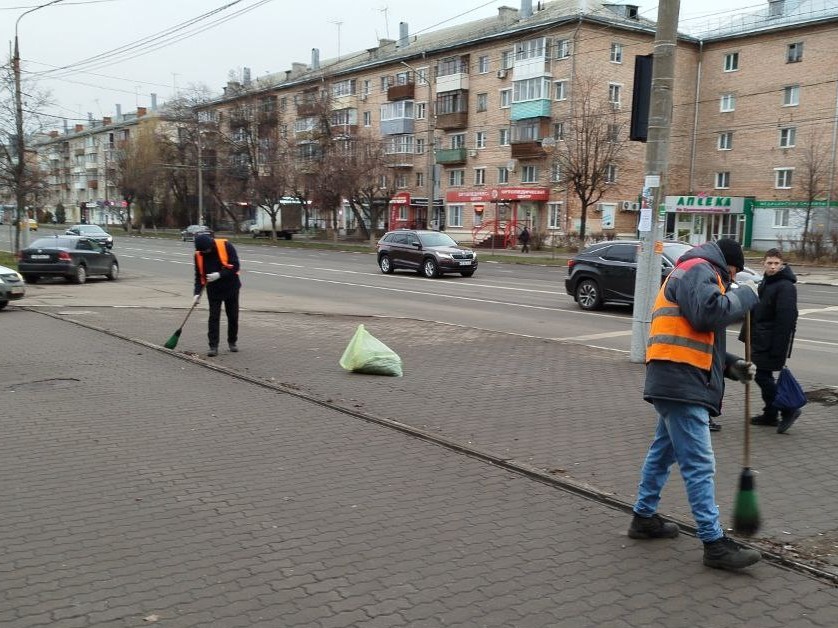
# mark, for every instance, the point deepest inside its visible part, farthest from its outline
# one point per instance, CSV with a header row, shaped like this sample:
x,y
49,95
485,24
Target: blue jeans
x,y
682,436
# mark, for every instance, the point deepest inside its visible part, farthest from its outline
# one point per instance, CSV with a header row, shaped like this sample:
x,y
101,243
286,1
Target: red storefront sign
x,y
501,194
402,199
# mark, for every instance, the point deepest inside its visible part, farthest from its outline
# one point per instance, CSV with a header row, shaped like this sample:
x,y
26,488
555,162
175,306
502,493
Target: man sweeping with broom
x,y
686,363
217,269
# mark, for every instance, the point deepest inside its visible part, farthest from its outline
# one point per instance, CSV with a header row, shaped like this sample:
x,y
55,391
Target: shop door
x,y
723,226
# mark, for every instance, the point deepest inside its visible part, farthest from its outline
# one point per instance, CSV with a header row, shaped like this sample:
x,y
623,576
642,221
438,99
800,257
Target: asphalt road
x,y
511,298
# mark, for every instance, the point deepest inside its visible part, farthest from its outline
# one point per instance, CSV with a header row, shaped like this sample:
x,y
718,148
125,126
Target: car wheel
x,y
81,274
3,304
430,268
466,273
114,272
385,264
587,295
30,278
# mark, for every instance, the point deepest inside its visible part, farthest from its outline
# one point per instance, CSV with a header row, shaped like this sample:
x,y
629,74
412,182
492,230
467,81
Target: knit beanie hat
x,y
203,242
732,252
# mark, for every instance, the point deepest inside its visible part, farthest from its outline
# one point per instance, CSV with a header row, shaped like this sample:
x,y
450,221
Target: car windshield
x,y
436,239
53,243
91,229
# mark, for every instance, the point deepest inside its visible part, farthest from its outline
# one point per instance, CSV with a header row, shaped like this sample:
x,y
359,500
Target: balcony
x,y
344,101
401,92
400,160
308,107
452,83
530,109
397,126
530,149
452,121
449,156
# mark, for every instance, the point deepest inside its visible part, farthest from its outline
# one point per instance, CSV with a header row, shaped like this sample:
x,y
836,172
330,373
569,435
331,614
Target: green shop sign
x,y
706,204
793,204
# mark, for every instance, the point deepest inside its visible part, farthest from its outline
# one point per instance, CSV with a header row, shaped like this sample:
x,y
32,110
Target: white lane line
x,y
608,334
829,308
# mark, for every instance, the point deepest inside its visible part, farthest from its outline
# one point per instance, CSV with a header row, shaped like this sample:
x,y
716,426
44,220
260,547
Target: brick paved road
x,y
139,489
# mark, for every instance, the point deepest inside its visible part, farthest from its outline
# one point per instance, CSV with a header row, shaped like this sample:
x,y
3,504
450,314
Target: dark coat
x,y
524,236
228,284
701,302
774,321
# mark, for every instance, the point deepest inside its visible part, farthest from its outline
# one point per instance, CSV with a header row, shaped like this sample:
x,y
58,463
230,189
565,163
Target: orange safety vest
x,y
671,337
221,247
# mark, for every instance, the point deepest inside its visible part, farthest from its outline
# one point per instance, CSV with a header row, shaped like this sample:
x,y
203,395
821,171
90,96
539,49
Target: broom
x,y
746,519
171,343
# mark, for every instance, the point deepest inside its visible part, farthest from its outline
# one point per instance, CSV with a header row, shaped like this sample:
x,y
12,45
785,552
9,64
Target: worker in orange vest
x,y
217,270
686,363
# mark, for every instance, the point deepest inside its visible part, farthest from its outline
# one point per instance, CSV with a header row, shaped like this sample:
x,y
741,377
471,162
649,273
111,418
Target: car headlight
x,y
1,281
445,256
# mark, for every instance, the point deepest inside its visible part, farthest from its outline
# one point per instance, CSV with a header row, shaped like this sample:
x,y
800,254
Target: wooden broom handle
x,y
746,453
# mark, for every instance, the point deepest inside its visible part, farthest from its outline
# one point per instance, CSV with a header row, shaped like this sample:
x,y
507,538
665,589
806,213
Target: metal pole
x,y
647,282
200,182
430,183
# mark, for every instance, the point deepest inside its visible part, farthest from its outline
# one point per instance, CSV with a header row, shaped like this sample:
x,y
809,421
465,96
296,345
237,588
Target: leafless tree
x,y
593,144
815,179
371,182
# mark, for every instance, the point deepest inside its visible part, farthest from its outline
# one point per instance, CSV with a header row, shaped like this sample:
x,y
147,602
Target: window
x,y
781,217
420,145
399,110
791,95
403,78
616,53
560,90
787,137
421,74
506,60
503,175
503,137
505,98
731,62
554,215
722,180
530,49
794,52
458,140
562,48
421,109
479,176
613,132
556,172
386,81
529,174
455,215
531,89
367,89
456,177
558,131
343,88
451,66
480,139
483,64
401,180
614,91
420,179
399,144
528,130
727,103
725,140
782,178
610,173
452,102
622,253
482,102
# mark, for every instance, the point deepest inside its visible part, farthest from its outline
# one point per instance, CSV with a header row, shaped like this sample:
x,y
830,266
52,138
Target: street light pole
x,y
20,166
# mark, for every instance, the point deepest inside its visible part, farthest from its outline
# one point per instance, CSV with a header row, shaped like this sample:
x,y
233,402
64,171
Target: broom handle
x,y
186,318
747,446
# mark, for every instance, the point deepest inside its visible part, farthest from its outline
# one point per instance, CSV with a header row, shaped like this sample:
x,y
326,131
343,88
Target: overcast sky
x,y
132,48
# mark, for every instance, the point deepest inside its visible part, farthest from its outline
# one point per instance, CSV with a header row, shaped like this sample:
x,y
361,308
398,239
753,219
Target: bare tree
x,y
594,141
815,175
371,182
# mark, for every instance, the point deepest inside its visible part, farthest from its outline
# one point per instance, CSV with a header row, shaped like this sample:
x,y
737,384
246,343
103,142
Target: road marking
x,y
829,308
608,334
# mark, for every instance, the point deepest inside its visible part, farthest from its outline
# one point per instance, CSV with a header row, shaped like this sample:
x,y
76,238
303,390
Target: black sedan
x,y
605,272
92,232
69,256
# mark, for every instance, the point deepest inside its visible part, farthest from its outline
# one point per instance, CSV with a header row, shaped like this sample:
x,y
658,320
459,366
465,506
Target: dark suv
x,y
431,253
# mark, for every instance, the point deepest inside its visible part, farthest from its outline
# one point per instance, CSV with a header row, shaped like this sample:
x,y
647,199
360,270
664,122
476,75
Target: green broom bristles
x,y
746,520
171,343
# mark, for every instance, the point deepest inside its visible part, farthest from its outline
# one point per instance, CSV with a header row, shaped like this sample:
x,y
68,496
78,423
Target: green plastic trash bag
x,y
367,354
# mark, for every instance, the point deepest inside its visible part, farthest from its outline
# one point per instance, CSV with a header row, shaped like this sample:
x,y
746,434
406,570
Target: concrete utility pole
x,y
647,282
430,183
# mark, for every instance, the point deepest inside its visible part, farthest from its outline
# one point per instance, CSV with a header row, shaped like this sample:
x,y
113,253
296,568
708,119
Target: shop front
x,y
698,219
501,211
408,212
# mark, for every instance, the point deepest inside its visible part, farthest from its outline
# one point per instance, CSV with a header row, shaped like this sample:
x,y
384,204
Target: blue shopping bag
x,y
790,395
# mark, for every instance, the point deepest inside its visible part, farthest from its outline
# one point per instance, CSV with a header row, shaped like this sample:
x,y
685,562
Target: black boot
x,y
725,553
652,528
787,420
767,417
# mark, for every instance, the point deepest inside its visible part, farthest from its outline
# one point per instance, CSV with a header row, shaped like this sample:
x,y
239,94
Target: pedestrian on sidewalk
x,y
686,362
773,324
524,239
217,270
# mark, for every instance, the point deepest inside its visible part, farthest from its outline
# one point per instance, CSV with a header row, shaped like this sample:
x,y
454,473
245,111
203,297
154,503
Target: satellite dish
x,y
548,142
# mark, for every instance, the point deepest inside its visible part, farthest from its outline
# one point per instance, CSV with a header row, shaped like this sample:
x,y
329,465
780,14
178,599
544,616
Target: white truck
x,y
289,220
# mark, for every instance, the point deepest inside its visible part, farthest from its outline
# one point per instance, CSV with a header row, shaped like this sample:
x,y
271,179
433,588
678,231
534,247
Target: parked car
x,y
431,253
11,286
192,230
73,257
605,272
93,232
31,223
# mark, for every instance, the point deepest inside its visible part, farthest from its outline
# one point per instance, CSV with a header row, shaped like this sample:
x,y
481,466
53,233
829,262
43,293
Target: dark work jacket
x,y
702,304
774,320
226,285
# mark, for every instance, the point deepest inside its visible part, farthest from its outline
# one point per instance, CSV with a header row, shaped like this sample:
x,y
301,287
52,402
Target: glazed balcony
x,y
449,156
